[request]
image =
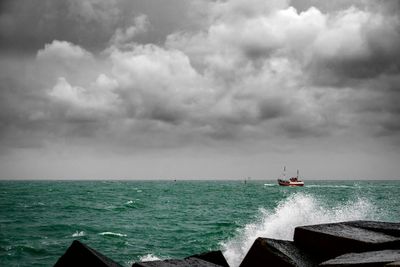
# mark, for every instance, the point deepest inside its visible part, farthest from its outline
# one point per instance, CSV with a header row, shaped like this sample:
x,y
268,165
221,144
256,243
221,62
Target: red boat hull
x,y
289,183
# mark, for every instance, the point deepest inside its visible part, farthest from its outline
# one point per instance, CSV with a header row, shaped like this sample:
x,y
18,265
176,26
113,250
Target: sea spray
x,y
149,257
78,234
297,209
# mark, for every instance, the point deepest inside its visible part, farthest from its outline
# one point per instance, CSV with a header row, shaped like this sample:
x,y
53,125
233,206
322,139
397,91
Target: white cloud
x,y
94,101
62,50
343,37
154,79
104,83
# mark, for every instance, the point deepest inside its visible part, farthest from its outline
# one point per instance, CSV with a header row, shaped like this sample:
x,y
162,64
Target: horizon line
x,y
189,179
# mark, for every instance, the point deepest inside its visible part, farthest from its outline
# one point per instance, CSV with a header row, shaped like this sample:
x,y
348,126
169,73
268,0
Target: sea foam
x,y
269,184
296,210
112,234
78,234
149,257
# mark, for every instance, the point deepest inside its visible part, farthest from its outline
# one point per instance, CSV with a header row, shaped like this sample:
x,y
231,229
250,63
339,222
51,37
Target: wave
x,y
78,234
148,257
112,234
296,210
331,186
33,205
26,248
269,184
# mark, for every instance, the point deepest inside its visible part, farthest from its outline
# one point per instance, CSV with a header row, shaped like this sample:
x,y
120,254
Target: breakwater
x,y
351,243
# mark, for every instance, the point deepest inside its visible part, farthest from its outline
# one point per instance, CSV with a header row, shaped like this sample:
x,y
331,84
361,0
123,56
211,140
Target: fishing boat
x,y
293,181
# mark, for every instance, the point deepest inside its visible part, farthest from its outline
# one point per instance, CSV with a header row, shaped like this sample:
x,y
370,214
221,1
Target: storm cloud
x,y
200,79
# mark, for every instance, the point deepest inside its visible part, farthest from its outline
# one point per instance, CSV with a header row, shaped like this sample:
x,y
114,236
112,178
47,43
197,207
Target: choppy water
x,y
132,220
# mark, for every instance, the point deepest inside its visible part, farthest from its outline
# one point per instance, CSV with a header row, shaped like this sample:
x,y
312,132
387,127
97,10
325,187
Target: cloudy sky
x,y
200,89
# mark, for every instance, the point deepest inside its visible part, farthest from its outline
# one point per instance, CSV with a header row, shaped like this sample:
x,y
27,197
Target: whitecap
x,y
269,184
296,210
329,186
78,233
112,234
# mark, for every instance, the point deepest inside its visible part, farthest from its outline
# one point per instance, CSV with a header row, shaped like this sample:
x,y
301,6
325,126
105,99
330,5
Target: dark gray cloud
x,y
27,26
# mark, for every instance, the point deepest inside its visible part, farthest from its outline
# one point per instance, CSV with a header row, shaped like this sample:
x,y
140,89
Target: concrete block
x,y
79,254
371,259
271,252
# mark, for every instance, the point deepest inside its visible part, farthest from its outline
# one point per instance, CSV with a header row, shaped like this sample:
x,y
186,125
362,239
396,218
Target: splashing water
x,y
78,234
149,257
296,210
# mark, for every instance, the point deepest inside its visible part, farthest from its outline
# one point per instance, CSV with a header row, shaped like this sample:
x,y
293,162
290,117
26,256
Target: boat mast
x,y
284,172
297,174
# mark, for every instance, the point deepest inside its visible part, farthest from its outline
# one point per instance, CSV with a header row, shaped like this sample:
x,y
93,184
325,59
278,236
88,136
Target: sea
x,y
131,221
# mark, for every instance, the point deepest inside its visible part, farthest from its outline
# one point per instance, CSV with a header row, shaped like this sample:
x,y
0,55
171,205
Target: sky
x,y
200,89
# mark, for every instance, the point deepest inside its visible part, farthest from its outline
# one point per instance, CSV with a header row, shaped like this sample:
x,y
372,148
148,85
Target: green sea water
x,y
130,221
